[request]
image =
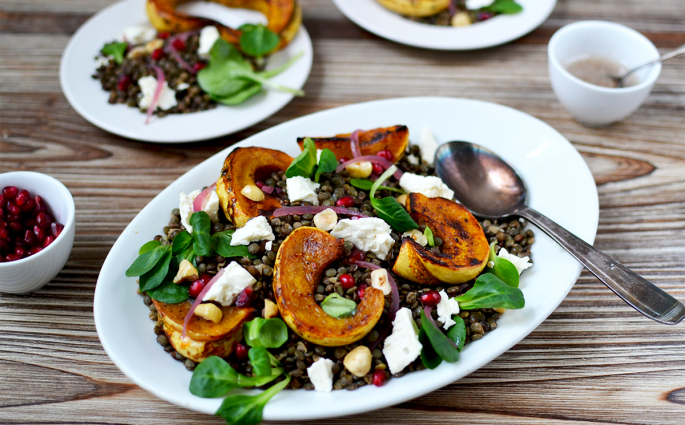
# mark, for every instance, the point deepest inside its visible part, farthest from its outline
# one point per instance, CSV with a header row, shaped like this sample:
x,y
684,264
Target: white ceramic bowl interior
x,y
32,273
590,104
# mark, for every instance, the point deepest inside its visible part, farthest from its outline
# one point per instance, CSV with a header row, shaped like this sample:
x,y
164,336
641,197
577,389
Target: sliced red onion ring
x,y
453,7
201,199
158,91
199,298
176,55
427,310
268,189
354,144
395,304
315,210
371,158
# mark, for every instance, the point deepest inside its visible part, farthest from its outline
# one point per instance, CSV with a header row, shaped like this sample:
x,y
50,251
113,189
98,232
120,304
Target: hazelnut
x,y
379,280
417,235
153,45
358,361
461,19
137,52
402,200
500,310
253,193
326,219
186,272
270,309
360,170
209,312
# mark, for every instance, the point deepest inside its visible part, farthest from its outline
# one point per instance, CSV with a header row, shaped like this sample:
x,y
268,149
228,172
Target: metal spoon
x,y
491,188
621,80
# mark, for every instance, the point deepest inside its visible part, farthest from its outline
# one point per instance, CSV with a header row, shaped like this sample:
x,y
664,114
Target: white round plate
x,y
560,186
87,97
373,17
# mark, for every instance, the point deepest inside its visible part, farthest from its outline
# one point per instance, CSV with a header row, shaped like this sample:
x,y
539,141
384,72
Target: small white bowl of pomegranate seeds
x,y
36,230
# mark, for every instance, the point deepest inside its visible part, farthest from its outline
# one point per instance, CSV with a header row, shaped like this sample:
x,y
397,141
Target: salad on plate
x,y
456,13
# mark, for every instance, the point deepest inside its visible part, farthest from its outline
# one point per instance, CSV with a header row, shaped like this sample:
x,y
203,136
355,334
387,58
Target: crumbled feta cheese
x,y
428,146
417,235
403,346
413,160
321,374
102,61
326,219
182,86
208,36
229,285
521,264
255,230
185,207
148,85
379,280
368,234
478,4
268,246
302,189
318,155
138,34
211,206
447,307
430,186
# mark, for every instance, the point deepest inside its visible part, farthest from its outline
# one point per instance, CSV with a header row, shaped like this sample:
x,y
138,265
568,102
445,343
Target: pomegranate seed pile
x,y
26,226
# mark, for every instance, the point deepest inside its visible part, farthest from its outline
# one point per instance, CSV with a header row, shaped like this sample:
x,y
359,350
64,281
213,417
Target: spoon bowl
x,y
489,187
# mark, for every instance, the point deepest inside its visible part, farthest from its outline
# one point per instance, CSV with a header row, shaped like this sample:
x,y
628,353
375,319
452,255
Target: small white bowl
x,y
32,273
593,105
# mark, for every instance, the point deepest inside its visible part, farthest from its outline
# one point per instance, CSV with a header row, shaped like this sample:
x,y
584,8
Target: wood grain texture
x,y
593,361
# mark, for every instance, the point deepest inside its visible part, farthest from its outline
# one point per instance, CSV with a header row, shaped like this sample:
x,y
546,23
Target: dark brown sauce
x,y
598,71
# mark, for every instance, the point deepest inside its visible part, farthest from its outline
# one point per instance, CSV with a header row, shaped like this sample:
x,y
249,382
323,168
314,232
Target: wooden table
x,y
594,360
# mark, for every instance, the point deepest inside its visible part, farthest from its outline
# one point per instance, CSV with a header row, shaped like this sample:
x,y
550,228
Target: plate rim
x,y
408,394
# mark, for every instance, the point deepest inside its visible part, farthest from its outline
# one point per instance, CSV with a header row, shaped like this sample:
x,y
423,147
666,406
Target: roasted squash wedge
x,y
415,7
246,166
464,250
284,18
300,265
203,338
395,139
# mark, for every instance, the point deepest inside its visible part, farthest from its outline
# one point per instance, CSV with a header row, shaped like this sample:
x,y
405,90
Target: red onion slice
x,y
453,7
371,158
268,189
201,199
315,210
176,55
427,310
354,144
199,298
158,91
395,304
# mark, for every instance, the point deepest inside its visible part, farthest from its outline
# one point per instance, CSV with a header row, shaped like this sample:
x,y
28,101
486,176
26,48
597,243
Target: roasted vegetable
x,y
415,7
300,265
284,18
204,338
464,251
244,167
395,139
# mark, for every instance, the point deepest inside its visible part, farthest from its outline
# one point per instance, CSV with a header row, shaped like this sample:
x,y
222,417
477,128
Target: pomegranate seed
x,y
4,246
44,219
157,54
48,240
431,298
16,226
4,234
361,291
31,222
40,233
20,251
385,154
241,351
178,44
347,281
12,257
196,287
343,159
22,197
56,230
13,208
163,35
3,223
260,185
29,238
40,204
28,205
10,192
35,250
377,168
484,16
2,200
345,201
379,378
199,66
123,83
245,297
356,255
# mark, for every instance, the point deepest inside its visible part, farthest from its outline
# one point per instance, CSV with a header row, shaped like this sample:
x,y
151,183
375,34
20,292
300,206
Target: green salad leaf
x,y
305,162
268,333
457,332
490,292
365,184
257,40
149,246
169,292
244,409
116,50
503,268
441,344
146,261
181,242
327,163
336,306
221,244
507,7
260,361
388,209
201,227
214,377
429,357
155,276
429,235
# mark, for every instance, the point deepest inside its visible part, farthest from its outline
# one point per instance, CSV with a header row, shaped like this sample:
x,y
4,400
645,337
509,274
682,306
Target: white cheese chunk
x,y
138,34
211,206
257,229
417,235
403,346
208,36
447,307
318,155
428,146
478,4
430,186
302,189
321,374
229,285
413,160
185,207
521,264
182,86
148,85
268,246
368,234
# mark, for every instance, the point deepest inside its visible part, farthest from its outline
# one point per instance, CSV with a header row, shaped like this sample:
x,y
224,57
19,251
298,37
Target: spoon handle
x,y
677,52
641,294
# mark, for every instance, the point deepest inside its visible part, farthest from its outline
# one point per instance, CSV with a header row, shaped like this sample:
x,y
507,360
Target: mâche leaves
x,y
116,50
181,242
327,163
490,292
429,357
441,344
257,40
305,162
365,184
457,332
221,244
154,277
244,409
146,261
260,361
201,227
169,292
268,333
336,306
429,235
503,268
149,246
388,209
214,377
507,7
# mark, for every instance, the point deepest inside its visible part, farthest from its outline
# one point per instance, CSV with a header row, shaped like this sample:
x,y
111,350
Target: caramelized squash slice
x,y
284,18
464,251
203,338
246,166
395,139
415,7
300,265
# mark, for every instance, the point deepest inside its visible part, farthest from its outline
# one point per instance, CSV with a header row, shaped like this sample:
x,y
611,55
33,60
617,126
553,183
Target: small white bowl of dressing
x,y
583,54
